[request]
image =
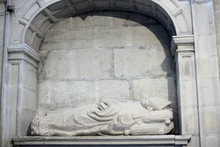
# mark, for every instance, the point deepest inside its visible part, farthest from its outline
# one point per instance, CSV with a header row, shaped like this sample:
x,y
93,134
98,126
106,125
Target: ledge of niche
x,y
155,140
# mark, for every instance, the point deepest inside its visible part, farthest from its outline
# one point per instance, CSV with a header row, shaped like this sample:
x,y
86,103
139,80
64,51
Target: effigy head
x,y
155,103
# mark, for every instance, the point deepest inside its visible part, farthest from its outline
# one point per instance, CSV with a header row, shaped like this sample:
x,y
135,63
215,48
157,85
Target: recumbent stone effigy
x,y
107,117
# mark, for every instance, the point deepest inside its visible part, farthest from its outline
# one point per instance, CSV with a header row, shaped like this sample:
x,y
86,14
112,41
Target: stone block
x,y
201,9
67,45
75,34
125,36
2,11
218,118
150,35
29,77
71,93
28,100
104,19
36,42
31,11
190,121
79,64
130,19
188,96
115,37
23,123
93,20
204,48
194,141
122,4
211,140
207,96
209,120
106,32
209,63
155,87
142,62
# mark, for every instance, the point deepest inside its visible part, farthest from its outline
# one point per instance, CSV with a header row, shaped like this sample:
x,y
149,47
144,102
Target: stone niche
x,y
105,55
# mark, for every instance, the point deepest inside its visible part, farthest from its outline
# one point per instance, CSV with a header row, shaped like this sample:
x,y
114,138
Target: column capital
x,y
183,43
183,39
23,52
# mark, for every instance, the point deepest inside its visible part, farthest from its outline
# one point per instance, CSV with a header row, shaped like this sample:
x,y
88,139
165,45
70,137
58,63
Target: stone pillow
x,y
155,103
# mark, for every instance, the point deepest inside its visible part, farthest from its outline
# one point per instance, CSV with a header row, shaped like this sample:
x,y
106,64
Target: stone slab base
x,y
157,140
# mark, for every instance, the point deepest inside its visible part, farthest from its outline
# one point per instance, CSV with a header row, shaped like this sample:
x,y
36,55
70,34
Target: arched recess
x,y
39,15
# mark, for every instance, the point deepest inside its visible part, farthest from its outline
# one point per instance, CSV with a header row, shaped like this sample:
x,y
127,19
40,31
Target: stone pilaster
x,y
2,22
207,72
22,74
187,88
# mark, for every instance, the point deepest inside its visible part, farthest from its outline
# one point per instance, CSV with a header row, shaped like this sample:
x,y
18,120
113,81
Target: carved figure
x,y
106,118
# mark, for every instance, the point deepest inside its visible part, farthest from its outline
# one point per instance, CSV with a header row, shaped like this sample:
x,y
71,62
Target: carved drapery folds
x,y
106,118
23,58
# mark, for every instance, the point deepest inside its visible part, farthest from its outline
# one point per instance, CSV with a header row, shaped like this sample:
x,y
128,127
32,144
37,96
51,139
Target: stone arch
x,y
41,14
38,15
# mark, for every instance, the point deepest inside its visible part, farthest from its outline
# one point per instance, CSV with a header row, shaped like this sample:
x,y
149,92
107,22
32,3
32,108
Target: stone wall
x,y
217,21
105,55
117,80
207,72
2,18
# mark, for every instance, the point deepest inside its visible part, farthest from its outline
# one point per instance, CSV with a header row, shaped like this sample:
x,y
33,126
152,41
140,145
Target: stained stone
x,y
107,117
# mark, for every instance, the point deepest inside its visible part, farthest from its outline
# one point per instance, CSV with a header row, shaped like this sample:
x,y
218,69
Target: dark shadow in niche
x,y
29,130
163,36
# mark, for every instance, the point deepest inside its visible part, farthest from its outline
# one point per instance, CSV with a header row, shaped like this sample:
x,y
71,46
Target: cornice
x,y
25,49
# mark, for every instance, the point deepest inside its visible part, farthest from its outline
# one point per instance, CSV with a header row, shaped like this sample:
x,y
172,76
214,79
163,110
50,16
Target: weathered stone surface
x,y
150,62
2,18
192,119
206,49
155,87
207,80
205,84
107,117
119,47
70,93
78,64
97,31
29,77
26,117
217,26
105,141
2,9
211,140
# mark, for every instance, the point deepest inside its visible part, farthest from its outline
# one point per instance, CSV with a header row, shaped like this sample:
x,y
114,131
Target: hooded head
x,y
155,103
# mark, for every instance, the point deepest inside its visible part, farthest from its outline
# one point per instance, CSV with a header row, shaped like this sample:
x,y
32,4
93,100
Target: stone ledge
x,y
165,140
24,48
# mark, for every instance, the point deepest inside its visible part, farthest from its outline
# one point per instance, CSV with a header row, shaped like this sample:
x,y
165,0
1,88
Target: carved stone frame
x,y
18,110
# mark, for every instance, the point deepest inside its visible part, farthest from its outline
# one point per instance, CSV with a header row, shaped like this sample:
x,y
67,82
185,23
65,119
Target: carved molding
x,y
172,7
174,140
184,43
185,39
24,52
